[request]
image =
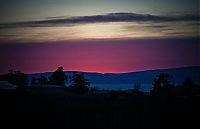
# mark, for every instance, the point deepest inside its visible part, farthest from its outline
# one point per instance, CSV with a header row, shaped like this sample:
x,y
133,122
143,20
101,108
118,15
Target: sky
x,y
24,10
106,36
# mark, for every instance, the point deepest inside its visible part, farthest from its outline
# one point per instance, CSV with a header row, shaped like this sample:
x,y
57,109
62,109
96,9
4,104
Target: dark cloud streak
x,y
110,17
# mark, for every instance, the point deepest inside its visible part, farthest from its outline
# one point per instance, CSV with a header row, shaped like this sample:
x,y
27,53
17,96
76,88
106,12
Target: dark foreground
x,y
58,108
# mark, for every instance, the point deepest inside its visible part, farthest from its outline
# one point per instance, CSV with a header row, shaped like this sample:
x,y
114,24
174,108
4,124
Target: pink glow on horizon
x,y
99,56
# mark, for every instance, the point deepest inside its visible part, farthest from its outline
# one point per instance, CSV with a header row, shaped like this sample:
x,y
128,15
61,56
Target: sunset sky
x,y
98,35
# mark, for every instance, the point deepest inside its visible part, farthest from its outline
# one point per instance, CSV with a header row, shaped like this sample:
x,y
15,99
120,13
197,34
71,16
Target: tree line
x,y
78,83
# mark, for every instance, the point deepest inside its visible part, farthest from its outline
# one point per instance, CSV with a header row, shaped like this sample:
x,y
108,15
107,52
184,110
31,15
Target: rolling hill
x,y
126,80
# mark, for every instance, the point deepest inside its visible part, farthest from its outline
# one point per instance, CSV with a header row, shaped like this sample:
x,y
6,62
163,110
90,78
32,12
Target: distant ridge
x,y
142,77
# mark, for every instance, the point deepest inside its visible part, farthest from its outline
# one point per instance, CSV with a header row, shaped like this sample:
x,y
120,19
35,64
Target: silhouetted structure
x,y
58,77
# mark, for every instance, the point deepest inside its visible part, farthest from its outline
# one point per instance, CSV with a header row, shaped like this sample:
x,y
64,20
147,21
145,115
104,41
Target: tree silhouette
x,y
58,77
15,77
161,84
188,87
80,83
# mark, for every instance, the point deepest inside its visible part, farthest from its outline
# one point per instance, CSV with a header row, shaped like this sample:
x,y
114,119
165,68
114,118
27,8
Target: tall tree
x,y
188,87
58,77
161,84
79,82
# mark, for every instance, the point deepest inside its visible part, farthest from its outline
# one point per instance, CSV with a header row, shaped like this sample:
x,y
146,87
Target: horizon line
x,y
113,72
